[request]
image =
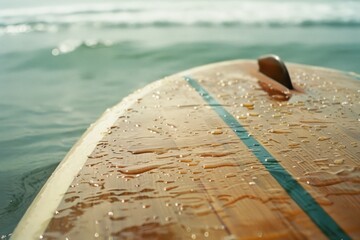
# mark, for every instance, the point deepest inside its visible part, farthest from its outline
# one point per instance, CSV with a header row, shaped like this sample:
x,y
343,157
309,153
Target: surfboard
x,y
220,151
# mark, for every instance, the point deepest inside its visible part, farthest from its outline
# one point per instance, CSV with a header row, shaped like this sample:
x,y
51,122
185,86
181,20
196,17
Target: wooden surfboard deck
x,y
209,154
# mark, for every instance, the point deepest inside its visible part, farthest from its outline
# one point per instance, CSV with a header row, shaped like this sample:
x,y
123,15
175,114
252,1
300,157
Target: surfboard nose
x,y
273,67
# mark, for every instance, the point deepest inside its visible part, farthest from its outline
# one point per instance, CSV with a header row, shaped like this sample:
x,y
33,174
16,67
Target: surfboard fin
x,y
273,67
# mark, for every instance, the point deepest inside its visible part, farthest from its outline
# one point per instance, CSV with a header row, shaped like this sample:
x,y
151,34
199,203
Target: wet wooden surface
x,y
171,168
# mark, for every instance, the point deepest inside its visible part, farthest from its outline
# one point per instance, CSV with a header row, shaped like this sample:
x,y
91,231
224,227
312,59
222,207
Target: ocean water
x,y
63,64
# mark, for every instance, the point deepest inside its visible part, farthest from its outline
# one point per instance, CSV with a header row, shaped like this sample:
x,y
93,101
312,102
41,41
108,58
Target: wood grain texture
x,y
170,168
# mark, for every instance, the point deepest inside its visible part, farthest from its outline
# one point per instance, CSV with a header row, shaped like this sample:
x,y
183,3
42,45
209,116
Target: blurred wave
x,y
199,13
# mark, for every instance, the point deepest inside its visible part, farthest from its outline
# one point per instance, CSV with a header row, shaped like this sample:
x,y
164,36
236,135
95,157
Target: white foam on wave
x,y
71,45
210,13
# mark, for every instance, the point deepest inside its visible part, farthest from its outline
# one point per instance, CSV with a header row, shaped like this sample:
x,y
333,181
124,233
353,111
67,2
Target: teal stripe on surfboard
x,y
303,199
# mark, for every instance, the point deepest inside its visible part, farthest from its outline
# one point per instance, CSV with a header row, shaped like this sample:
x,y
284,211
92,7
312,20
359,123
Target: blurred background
x,y
63,63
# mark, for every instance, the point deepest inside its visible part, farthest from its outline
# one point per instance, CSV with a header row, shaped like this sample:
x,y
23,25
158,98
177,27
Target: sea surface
x,y
62,64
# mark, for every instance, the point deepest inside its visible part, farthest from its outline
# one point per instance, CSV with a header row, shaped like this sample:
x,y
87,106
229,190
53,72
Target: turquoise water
x,y
62,65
